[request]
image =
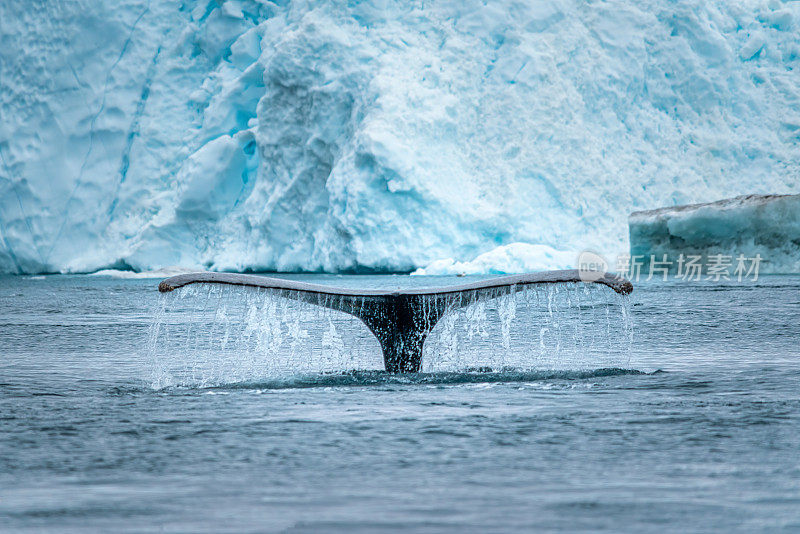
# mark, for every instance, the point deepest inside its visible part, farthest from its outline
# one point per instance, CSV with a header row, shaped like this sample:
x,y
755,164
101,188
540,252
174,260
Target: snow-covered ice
x,y
506,259
164,272
247,134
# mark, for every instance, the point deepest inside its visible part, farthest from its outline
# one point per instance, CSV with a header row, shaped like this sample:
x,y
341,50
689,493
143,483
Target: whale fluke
x,y
400,319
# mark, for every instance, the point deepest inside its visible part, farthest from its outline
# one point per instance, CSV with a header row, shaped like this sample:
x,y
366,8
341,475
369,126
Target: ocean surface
x,y
122,410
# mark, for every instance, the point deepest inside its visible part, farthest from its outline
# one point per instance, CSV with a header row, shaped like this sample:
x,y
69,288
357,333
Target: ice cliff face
x,y
381,135
751,225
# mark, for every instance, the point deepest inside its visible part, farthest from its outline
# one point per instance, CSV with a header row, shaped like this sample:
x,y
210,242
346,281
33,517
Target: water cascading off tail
x,y
268,322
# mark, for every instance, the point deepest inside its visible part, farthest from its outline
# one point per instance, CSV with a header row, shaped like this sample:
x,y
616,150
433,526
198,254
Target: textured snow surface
x,y
157,273
379,135
765,225
507,259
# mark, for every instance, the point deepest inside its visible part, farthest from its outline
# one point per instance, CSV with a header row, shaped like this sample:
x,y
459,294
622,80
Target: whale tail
x,y
400,320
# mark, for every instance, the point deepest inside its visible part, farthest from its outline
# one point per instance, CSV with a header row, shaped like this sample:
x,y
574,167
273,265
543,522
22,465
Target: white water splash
x,y
207,335
562,326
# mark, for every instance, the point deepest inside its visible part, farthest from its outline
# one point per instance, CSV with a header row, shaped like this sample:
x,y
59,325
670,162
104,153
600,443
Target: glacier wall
x,y
765,225
385,135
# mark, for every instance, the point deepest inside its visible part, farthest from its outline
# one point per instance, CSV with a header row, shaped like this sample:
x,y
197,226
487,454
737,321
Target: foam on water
x,y
212,335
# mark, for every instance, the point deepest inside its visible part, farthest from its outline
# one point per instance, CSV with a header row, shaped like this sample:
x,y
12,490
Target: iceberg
x,y
144,275
767,226
508,259
251,135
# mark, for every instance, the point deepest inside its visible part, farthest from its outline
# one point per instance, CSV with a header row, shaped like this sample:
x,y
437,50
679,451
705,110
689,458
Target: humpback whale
x,y
399,319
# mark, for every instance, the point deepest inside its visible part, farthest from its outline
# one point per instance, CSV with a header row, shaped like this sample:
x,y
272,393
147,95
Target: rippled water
x,y
696,427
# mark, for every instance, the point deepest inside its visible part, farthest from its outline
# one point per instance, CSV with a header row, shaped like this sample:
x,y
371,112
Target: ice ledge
x,y
768,225
728,203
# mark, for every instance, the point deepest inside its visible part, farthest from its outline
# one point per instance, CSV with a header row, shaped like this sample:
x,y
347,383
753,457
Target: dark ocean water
x,y
696,428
